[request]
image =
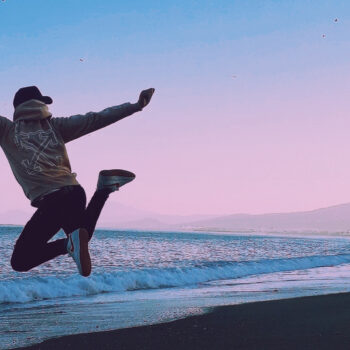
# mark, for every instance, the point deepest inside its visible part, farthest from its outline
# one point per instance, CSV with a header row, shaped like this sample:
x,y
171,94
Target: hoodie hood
x,y
31,110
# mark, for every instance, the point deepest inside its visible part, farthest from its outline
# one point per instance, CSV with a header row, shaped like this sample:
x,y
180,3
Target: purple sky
x,y
273,138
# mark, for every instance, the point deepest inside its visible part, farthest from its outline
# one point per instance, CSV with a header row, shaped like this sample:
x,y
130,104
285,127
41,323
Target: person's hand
x,y
145,97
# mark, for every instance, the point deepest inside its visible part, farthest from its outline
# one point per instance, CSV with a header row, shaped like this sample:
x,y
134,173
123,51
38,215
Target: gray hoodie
x,y
34,143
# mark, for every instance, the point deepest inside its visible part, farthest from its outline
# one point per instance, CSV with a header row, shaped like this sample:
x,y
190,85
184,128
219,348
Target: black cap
x,y
30,93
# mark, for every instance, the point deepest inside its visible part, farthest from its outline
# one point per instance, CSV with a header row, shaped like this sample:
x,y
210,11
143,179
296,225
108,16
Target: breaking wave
x,y
50,287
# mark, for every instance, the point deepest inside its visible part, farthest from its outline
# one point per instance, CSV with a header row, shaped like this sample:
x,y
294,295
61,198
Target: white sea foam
x,y
39,288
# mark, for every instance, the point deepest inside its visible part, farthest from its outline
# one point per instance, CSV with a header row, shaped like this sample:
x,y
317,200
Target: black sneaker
x,y
114,179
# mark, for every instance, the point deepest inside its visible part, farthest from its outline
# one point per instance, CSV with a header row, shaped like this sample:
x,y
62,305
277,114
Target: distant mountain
x,y
116,215
142,224
331,219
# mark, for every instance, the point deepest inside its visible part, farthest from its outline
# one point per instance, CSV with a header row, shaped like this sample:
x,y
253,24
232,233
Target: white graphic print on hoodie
x,y
34,143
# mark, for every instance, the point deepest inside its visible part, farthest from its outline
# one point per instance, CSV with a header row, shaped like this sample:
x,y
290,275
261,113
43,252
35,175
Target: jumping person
x,y
34,144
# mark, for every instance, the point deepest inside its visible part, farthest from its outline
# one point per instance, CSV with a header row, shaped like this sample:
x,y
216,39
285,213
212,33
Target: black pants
x,y
64,209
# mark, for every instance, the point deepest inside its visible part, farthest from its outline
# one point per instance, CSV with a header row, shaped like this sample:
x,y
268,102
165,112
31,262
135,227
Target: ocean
x,y
143,277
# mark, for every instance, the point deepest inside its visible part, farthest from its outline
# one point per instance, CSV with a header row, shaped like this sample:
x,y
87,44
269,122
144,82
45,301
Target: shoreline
x,y
243,232
316,322
283,233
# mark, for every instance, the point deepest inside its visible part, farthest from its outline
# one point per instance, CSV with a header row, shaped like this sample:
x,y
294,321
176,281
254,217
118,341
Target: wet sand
x,y
318,322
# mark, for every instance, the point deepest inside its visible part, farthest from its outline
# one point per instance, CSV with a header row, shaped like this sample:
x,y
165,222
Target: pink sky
x,y
275,138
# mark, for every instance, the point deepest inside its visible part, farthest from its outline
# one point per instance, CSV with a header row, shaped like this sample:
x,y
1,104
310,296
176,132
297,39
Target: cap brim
x,y
46,99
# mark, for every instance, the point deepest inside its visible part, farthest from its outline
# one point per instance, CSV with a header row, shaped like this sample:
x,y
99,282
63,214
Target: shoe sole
x,y
114,179
117,172
85,260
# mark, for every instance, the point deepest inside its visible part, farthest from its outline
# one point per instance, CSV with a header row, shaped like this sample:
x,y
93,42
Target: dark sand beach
x,y
318,322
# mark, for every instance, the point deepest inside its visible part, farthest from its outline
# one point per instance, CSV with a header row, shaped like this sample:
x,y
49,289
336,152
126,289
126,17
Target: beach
x,y
162,289
318,322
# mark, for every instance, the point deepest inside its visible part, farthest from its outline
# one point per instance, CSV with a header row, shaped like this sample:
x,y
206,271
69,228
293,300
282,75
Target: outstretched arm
x,y
78,125
5,125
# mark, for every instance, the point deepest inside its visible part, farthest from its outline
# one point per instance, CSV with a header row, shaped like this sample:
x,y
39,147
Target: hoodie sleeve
x,y
75,126
5,124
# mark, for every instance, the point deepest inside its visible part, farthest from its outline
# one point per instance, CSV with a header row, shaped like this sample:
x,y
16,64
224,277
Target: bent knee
x,y
18,264
19,267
